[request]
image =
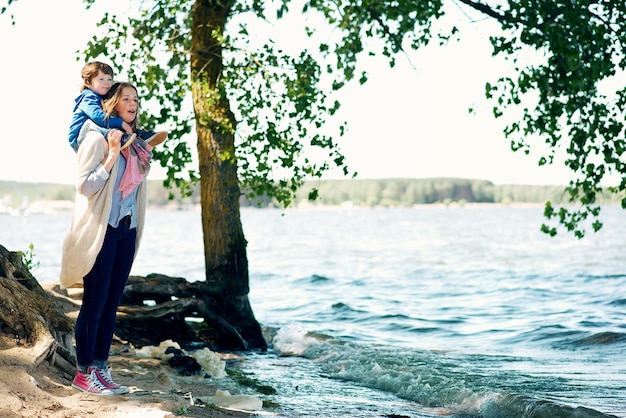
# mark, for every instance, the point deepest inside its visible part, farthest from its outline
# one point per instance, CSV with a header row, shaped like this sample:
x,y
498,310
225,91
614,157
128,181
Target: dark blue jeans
x,y
103,288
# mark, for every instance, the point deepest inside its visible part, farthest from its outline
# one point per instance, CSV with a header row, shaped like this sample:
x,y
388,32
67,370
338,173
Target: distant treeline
x,y
377,192
18,194
409,192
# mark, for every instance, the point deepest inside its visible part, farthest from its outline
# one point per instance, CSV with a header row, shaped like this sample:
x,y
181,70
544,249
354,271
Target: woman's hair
x,y
91,70
113,98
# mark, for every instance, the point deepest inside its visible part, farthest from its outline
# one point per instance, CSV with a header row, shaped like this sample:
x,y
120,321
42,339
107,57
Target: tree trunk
x,y
226,261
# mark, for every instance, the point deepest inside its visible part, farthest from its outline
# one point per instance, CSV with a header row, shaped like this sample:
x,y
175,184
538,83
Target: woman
x,y
106,229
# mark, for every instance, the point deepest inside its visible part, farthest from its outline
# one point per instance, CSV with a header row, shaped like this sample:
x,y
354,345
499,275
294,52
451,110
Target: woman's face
x,y
127,107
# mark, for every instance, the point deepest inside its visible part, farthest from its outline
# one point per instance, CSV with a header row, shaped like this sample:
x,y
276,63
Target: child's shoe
x,y
104,376
129,140
157,138
89,383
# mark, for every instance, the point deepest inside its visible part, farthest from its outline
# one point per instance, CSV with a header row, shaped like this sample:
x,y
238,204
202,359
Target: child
x,y
97,82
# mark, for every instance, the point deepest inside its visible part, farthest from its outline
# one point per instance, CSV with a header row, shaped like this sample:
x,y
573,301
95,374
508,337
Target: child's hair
x,y
113,98
91,70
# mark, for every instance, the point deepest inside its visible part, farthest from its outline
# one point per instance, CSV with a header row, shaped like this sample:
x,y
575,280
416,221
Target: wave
x,y
599,338
454,384
618,302
561,338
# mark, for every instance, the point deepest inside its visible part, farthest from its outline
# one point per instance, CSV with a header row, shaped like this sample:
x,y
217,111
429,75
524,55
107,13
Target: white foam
x,y
210,362
224,399
207,359
293,340
151,351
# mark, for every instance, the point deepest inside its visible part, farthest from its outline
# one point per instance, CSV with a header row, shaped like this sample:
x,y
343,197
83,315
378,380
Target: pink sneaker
x,y
89,383
104,376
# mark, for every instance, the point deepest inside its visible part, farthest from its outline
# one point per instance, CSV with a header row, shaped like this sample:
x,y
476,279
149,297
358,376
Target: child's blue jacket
x,y
88,105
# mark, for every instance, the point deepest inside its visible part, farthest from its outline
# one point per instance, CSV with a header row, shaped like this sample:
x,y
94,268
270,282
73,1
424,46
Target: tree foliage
x,y
564,98
278,98
568,98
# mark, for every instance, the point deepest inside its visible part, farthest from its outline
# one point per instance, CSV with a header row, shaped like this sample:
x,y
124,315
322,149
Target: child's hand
x,y
127,128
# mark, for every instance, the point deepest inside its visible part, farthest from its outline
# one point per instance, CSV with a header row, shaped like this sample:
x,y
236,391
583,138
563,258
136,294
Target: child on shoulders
x,y
97,82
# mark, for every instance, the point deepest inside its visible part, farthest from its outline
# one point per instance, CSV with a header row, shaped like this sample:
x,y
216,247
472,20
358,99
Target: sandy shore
x,y
156,391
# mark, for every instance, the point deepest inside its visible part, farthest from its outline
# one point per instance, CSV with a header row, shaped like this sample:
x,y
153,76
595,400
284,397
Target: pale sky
x,y
411,121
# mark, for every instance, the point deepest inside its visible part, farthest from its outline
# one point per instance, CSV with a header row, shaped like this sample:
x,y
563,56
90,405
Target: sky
x,y
411,121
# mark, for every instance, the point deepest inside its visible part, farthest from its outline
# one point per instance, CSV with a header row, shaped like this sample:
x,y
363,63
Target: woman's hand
x,y
115,143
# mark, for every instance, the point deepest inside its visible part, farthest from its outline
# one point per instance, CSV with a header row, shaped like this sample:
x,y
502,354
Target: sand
x,y
156,391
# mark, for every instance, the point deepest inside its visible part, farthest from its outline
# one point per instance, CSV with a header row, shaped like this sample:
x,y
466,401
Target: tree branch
x,y
491,12
507,17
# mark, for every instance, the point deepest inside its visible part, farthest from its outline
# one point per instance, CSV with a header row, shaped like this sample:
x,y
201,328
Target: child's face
x,y
126,108
102,83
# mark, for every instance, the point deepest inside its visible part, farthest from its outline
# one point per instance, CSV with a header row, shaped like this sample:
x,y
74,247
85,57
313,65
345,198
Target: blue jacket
x,y
88,105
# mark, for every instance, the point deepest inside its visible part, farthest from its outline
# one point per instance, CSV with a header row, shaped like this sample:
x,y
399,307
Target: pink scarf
x,y
137,166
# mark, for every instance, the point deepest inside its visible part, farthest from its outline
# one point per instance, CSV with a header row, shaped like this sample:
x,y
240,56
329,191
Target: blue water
x,y
422,312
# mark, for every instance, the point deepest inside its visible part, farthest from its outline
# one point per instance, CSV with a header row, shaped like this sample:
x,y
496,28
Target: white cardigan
x,y
84,240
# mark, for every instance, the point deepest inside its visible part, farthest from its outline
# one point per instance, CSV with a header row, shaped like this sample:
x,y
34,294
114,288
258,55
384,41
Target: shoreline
x,y
61,207
157,391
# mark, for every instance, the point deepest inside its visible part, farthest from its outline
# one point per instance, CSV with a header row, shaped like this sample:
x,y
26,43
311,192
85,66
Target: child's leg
x,y
144,134
89,126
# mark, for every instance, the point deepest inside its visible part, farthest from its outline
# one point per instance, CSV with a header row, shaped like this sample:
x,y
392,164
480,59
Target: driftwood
x,y
32,327
157,307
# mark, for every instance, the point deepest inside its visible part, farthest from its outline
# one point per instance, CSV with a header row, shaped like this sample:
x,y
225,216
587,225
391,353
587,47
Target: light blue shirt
x,y
120,208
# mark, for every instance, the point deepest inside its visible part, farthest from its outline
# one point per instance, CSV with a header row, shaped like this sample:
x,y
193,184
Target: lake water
x,y
415,312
